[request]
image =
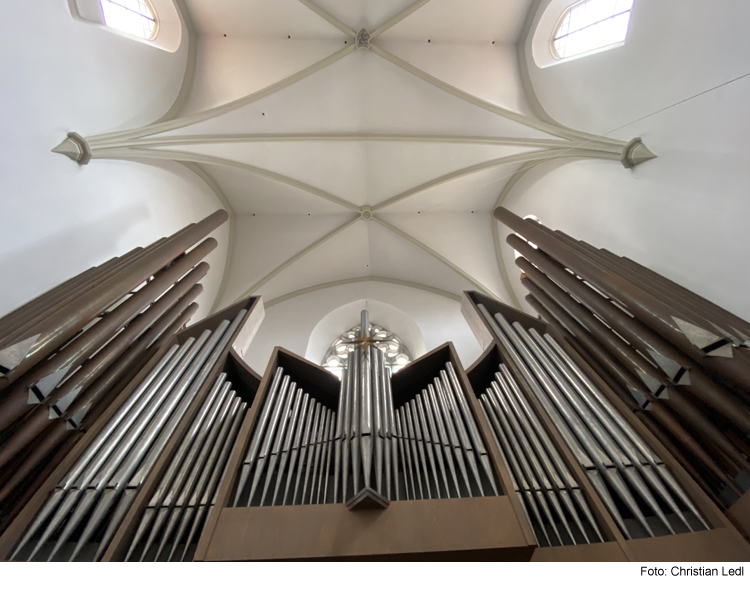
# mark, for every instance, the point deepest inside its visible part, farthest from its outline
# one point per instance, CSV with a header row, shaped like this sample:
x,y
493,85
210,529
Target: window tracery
x,y
397,355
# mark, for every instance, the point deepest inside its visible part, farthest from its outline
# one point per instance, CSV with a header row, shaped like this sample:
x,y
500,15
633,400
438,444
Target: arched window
x,y
591,25
396,354
134,17
153,22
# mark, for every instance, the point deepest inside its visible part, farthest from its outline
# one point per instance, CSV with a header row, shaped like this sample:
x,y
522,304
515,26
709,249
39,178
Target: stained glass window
x,y
397,356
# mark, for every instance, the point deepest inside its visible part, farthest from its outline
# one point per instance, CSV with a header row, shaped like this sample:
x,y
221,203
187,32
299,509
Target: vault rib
x,y
323,13
366,279
111,139
192,58
176,156
524,157
602,143
168,140
571,143
512,181
320,241
397,18
435,255
201,173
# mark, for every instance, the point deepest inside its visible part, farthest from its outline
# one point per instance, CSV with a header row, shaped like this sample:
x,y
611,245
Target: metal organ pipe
x,y
368,442
107,477
613,456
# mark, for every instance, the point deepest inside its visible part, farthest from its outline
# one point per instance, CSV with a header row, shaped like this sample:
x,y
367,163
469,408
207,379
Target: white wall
x,y
674,50
685,213
347,316
291,322
58,219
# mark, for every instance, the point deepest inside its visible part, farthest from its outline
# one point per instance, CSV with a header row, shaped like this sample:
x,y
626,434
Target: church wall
x,y
345,317
683,214
290,323
674,50
58,219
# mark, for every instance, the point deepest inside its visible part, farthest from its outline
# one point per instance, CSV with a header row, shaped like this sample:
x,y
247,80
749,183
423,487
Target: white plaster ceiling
x,y
286,195
257,18
335,323
467,21
300,133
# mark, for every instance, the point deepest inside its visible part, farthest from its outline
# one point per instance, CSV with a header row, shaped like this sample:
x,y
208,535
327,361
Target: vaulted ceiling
x,y
296,132
345,156
341,158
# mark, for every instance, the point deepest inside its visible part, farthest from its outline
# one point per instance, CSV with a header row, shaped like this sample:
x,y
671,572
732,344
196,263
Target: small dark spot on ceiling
x,y
288,36
428,40
225,34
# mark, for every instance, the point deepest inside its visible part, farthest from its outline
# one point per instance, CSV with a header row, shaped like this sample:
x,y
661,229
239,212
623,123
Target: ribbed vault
x,y
372,159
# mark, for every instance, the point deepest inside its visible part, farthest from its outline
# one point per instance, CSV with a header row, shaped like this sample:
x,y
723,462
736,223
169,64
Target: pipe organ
x,y
617,462
291,448
105,480
679,361
65,355
614,429
188,489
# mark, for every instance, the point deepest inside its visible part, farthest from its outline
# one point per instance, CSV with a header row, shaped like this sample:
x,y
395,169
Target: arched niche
x,y
341,319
